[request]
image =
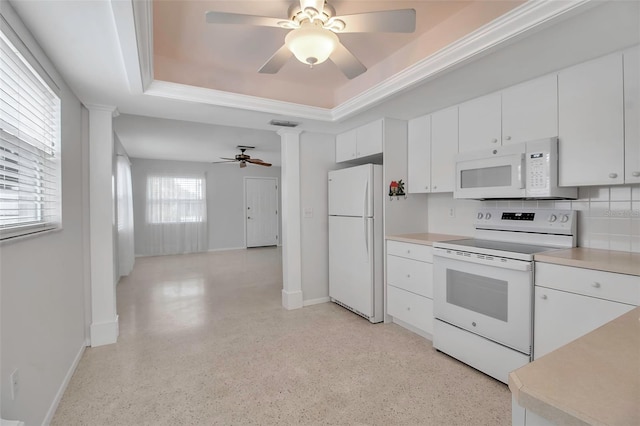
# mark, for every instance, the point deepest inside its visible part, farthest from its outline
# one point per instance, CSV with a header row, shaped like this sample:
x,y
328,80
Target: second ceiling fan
x,y
313,33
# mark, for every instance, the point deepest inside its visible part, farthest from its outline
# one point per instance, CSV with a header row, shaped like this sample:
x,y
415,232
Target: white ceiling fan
x,y
313,27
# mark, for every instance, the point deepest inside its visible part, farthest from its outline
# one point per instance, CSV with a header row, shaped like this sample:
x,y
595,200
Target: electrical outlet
x,y
452,212
15,383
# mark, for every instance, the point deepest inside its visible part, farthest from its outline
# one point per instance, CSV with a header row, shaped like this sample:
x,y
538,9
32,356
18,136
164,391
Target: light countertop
x,y
603,260
593,380
426,238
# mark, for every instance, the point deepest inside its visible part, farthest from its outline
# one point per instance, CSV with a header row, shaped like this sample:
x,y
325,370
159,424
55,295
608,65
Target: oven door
x,y
491,177
487,295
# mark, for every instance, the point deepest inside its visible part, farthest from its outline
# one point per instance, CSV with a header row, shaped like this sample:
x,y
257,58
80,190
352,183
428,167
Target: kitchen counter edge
x,y
620,262
426,239
556,386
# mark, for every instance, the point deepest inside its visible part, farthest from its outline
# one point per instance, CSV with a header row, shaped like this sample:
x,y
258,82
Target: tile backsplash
x,y
608,216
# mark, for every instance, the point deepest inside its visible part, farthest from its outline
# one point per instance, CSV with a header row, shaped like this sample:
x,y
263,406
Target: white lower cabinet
x,y
570,302
410,285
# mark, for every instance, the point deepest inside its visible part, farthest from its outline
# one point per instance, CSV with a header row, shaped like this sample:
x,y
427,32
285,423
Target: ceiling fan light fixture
x,y
311,44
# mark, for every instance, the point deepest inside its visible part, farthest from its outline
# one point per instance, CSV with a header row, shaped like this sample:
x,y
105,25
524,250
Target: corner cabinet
x,y
591,122
570,302
410,286
432,147
360,142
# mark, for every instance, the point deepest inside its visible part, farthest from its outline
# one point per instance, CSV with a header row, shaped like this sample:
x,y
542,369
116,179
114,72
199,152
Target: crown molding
x,y
514,23
106,108
202,95
139,69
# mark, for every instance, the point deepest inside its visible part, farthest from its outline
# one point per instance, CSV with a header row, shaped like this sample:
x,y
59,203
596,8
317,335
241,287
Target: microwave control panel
x,y
537,171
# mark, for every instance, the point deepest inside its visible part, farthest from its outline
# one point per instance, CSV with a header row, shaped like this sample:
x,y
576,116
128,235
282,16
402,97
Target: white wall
x,y
42,289
608,217
225,198
318,157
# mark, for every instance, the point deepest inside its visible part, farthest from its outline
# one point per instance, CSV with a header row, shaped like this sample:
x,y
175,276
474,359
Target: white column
x,y
104,317
291,259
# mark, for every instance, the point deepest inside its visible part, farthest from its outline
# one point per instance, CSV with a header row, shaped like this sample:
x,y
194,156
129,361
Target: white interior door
x,y
261,211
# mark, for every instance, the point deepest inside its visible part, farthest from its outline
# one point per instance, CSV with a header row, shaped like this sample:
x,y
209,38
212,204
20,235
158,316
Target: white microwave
x,y
527,170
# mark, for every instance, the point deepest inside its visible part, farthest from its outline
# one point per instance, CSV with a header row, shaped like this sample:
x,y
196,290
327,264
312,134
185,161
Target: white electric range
x,y
483,287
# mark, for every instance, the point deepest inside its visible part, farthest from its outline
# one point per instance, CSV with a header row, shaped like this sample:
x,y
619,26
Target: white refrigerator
x,y
356,240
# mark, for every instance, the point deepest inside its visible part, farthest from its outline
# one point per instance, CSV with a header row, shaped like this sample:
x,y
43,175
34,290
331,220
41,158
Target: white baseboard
x,y
292,300
63,387
227,249
316,301
104,333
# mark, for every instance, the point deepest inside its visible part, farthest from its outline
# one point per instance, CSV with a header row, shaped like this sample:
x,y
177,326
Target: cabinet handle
x,y
508,138
613,175
635,174
408,275
494,140
408,308
543,297
596,285
435,187
426,187
408,251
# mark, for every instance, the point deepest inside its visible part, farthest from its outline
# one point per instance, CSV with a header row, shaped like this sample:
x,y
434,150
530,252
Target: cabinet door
x,y
561,317
590,120
419,154
530,110
631,59
444,147
480,123
346,146
369,139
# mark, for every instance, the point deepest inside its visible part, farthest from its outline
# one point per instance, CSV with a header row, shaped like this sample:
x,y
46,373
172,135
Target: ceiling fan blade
x,y
258,162
347,62
276,61
230,159
220,162
213,17
386,21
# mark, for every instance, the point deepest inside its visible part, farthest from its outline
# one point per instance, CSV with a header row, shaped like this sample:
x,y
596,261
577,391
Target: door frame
x,y
244,202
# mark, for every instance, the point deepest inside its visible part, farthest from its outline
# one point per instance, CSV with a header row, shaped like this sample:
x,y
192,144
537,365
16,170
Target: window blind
x,y
173,199
30,186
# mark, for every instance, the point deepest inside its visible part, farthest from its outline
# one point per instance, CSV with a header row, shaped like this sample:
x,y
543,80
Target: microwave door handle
x,y
522,171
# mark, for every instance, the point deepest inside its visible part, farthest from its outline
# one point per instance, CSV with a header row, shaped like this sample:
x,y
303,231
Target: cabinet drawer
x,y
604,285
408,307
410,275
411,251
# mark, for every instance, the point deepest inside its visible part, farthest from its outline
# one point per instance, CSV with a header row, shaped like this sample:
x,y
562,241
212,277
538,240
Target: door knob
x,y
596,285
543,297
613,175
248,217
635,174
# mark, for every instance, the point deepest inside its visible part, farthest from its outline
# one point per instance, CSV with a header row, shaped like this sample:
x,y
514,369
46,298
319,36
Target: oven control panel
x,y
553,221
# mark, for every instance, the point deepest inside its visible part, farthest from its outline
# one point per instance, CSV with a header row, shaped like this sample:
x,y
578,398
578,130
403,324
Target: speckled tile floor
x,y
204,341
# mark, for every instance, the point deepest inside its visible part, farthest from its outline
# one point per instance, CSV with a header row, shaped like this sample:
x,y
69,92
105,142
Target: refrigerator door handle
x,y
365,205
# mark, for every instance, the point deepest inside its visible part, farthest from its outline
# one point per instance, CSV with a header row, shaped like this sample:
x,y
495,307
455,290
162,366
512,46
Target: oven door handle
x,y
481,259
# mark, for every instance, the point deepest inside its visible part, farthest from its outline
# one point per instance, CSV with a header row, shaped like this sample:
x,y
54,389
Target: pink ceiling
x,y
189,51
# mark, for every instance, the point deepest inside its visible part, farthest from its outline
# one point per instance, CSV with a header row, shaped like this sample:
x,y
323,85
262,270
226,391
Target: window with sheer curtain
x,y
30,183
176,214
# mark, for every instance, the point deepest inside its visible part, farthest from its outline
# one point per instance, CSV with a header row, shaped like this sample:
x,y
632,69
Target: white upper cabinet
x,y
591,123
530,110
419,155
631,58
444,147
480,123
346,146
369,139
360,142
